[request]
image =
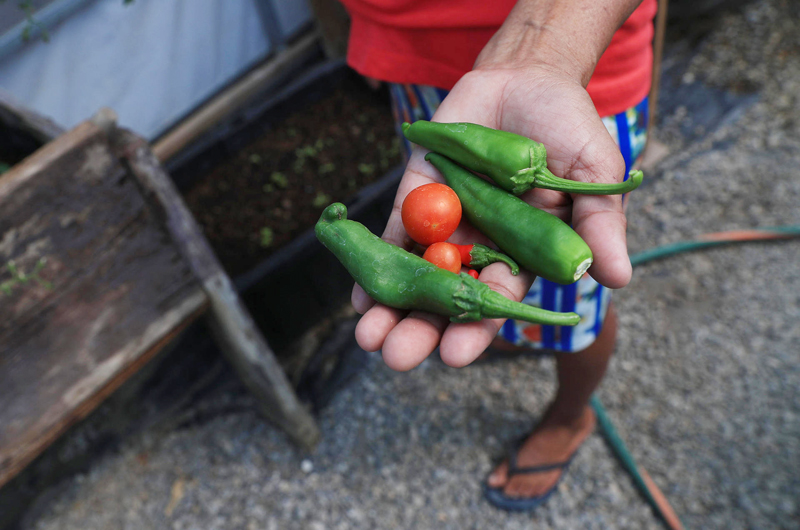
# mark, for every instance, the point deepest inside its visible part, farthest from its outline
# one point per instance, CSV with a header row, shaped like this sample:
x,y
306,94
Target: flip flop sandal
x,y
514,504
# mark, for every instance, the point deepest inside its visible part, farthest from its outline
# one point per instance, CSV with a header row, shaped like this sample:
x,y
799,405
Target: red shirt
x,y
435,42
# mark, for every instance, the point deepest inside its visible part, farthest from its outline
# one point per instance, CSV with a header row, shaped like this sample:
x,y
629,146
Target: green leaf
x,y
267,236
321,200
330,167
307,151
279,179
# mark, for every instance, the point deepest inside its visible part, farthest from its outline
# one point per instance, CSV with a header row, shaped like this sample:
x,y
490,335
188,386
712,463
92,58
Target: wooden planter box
x,y
301,283
289,295
103,267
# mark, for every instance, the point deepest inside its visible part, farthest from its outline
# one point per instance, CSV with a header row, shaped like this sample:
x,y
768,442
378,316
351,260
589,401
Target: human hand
x,y
579,148
529,79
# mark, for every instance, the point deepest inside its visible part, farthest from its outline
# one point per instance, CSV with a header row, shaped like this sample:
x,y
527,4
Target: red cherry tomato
x,y
473,273
444,255
431,213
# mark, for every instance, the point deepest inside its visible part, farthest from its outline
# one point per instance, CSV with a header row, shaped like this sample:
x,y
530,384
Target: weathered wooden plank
x,y
91,287
14,115
239,337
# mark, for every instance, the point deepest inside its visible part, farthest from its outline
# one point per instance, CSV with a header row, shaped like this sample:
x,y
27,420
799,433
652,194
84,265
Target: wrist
x,y
565,37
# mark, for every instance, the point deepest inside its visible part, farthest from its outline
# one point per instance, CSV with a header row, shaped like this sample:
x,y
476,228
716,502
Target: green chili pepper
x,y
537,240
400,279
513,162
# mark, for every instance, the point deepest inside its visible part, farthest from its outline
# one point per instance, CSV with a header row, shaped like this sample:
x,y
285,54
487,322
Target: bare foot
x,y
554,440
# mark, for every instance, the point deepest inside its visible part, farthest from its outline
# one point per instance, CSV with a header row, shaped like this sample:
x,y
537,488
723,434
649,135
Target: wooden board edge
x,y
41,127
30,166
196,305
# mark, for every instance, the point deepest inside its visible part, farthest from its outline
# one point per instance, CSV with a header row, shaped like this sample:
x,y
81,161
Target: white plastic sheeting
x,y
151,61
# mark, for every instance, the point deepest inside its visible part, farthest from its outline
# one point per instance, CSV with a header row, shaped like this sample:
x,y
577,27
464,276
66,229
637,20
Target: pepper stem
x,y
481,256
495,305
543,178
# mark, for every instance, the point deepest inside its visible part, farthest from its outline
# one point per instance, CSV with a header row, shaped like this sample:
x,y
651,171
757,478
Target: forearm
x,y
566,35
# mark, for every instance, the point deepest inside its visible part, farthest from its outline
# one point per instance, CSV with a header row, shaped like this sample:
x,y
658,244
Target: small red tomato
x,y
444,255
473,273
431,213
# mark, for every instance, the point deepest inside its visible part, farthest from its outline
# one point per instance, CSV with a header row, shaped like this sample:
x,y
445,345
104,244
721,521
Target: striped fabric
x,y
585,297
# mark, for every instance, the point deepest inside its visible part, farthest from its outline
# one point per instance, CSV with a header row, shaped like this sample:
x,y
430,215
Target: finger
x,y
461,344
599,219
373,328
412,340
603,227
360,299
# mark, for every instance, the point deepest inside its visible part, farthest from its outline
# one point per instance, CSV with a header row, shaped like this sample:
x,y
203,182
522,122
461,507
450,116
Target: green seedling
x,y
20,278
279,179
366,169
320,200
267,237
326,168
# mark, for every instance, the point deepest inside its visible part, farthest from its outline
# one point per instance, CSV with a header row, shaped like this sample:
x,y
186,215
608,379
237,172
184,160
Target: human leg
x,y
567,422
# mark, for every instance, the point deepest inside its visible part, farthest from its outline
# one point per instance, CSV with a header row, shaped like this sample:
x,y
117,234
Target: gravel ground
x,y
705,385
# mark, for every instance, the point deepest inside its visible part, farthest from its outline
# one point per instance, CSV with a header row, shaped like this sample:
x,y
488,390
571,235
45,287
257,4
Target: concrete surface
x,y
705,385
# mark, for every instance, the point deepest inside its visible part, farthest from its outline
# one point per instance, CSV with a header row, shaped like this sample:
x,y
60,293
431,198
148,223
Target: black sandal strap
x,y
514,470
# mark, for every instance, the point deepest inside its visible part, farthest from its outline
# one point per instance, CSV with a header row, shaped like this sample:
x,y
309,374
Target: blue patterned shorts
x,y
586,297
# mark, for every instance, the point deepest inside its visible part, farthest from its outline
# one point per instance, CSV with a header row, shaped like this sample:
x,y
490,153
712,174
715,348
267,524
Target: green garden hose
x,y
716,239
650,492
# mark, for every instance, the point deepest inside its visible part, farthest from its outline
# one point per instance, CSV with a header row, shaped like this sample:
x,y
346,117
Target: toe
x,y
514,488
530,486
499,476
530,491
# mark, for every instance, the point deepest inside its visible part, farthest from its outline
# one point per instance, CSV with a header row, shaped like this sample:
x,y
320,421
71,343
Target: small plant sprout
x,y
20,278
321,200
267,237
366,169
326,168
279,179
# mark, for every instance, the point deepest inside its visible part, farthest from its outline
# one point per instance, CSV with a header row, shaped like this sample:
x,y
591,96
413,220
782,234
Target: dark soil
x,y
276,187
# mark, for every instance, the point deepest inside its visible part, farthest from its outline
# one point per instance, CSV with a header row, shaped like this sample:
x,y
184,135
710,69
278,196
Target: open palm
x,y
552,109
